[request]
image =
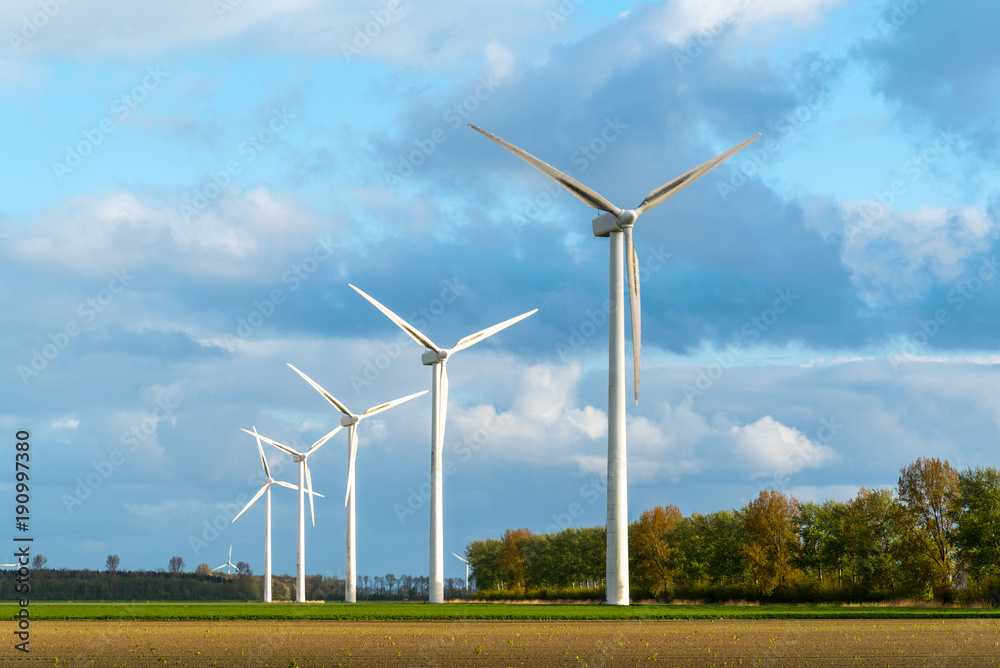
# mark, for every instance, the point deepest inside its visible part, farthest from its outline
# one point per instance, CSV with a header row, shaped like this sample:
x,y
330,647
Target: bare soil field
x,y
932,642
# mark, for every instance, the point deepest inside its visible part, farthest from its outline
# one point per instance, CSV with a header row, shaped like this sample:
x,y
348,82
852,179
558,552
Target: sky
x,y
189,188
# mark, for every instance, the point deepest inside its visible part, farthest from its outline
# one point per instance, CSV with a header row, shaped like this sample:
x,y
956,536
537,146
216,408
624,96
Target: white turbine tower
x,y
437,357
616,224
351,420
228,564
305,480
466,570
266,487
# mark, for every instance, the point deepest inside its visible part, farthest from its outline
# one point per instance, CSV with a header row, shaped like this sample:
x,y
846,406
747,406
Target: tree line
x,y
936,535
174,584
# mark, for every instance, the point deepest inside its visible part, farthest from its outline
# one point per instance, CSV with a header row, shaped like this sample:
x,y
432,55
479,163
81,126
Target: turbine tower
x,y
305,480
466,570
437,358
350,420
266,487
616,224
229,564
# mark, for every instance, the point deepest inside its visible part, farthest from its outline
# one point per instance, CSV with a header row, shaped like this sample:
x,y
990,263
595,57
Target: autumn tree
x,y
513,559
976,515
652,546
770,526
929,492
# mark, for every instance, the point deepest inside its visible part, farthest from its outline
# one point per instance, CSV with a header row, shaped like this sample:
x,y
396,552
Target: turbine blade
x,y
671,188
375,410
352,455
316,446
329,397
288,485
574,187
460,558
309,486
473,339
632,269
274,443
412,331
263,459
255,497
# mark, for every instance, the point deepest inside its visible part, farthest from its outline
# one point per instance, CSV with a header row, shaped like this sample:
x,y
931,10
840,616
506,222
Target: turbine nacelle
x,y
607,223
432,357
348,420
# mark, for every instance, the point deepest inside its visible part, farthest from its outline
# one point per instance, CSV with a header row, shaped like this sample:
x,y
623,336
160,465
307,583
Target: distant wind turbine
x,y
466,571
305,480
351,420
266,487
616,224
437,358
228,564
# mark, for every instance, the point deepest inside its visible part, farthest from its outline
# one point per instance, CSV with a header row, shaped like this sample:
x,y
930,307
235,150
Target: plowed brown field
x,y
956,643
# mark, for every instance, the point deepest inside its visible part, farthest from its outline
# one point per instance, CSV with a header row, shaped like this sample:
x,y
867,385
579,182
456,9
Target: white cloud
x,y
66,423
894,255
241,236
681,20
767,447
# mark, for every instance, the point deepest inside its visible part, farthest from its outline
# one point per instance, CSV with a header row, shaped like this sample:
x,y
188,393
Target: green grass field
x,y
456,611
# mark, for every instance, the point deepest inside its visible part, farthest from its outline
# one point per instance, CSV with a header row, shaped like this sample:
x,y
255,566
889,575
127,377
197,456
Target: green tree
x,y
929,493
484,559
770,524
873,534
976,516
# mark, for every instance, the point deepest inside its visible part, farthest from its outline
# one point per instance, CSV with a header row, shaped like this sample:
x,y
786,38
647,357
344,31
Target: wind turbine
x,y
305,480
466,571
266,487
351,420
615,224
437,357
228,564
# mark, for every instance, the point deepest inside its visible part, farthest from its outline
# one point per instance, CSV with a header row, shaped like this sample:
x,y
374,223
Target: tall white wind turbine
x,y
466,570
305,480
229,564
351,420
617,223
437,358
266,488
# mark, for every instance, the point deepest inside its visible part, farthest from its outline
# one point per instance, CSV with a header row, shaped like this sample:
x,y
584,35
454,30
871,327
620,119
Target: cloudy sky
x,y
189,187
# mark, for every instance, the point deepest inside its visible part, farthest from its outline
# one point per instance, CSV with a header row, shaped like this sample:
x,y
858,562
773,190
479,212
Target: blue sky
x,y
188,189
